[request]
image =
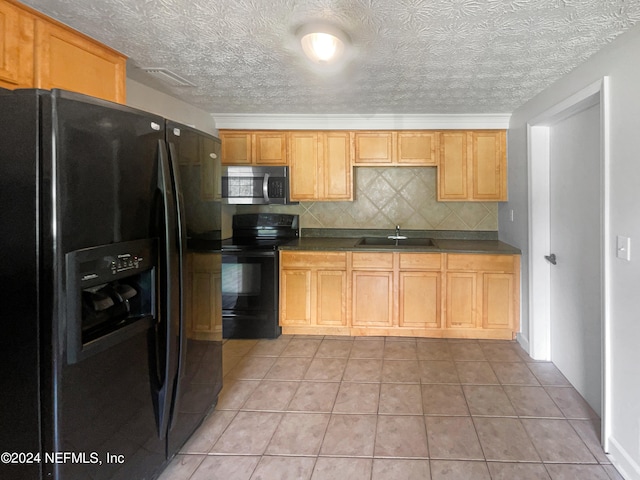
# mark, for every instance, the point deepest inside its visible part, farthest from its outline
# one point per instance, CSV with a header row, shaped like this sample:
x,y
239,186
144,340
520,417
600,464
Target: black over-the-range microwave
x,y
255,185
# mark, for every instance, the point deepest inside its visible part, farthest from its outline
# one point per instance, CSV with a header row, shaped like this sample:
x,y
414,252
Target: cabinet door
x,y
295,297
303,147
236,148
331,298
205,297
336,167
16,47
498,302
270,148
372,299
419,300
71,61
452,168
373,148
417,148
462,300
489,165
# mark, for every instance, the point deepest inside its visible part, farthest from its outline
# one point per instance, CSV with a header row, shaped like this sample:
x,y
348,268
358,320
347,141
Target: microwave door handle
x,y
265,187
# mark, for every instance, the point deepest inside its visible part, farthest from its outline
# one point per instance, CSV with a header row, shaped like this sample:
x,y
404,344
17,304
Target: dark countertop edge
x,y
371,232
488,247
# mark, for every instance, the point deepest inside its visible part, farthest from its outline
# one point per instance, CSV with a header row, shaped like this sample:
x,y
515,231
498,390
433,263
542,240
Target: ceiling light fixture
x,y
322,43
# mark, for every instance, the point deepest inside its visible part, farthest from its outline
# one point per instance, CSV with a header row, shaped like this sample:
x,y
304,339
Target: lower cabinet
x,y
373,286
483,294
203,298
419,290
313,292
499,301
396,294
462,298
401,294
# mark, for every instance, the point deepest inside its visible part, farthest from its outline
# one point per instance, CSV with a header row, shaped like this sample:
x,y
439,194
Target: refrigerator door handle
x,y
181,242
167,302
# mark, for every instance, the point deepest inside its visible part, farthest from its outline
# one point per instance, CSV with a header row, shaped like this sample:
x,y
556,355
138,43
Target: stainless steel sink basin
x,y
385,242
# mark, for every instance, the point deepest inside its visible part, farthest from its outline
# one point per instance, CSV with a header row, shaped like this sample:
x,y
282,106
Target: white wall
x,y
619,61
151,100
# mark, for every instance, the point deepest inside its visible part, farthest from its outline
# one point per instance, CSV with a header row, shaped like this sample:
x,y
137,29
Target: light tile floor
x,y
302,407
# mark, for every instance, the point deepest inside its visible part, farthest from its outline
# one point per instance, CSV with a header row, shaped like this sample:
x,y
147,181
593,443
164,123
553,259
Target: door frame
x,y
538,132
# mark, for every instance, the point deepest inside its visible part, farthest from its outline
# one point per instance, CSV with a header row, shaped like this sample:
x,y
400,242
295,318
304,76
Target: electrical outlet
x,y
623,248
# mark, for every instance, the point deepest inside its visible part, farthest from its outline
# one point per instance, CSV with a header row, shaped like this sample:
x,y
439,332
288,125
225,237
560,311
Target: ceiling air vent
x,y
168,77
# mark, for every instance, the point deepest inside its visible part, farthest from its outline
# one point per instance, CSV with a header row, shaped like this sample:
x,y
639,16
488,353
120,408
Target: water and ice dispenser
x,y
111,292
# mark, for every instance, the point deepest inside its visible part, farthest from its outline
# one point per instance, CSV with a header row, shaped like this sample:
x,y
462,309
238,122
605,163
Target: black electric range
x,y
250,274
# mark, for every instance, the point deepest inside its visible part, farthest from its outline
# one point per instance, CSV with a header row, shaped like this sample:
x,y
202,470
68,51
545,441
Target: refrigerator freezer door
x,y
20,247
104,166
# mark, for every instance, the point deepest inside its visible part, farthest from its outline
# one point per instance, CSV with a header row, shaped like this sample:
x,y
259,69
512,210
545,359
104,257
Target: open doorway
x,y
568,214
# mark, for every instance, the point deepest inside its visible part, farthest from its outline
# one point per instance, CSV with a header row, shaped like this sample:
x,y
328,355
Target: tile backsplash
x,y
385,197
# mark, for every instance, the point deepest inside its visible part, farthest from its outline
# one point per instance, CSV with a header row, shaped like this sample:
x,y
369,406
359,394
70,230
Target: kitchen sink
x,y
385,242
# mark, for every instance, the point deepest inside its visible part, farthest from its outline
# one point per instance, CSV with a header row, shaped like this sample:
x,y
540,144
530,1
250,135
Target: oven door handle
x,y
248,253
265,187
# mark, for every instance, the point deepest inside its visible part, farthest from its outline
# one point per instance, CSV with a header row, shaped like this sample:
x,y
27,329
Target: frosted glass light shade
x,y
322,43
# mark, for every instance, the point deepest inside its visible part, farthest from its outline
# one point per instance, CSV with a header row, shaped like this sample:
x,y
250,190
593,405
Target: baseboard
x,y
623,462
523,341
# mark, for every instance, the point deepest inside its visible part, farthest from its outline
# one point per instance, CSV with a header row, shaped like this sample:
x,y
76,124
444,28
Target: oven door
x,y
250,294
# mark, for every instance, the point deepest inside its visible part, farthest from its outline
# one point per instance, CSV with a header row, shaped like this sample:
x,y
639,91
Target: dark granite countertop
x,y
441,245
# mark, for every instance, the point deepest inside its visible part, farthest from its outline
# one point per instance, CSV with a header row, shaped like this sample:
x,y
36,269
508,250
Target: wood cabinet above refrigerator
x,y
39,52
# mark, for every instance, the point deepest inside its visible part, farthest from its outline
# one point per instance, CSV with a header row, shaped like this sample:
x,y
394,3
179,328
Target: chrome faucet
x,y
397,236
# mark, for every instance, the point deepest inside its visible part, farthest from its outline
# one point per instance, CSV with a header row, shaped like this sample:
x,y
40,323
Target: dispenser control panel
x,y
111,262
126,261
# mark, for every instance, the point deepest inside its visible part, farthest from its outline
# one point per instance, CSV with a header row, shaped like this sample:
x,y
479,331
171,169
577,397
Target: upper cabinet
x,y
419,149
372,148
36,51
16,46
243,147
453,169
236,147
320,166
395,148
68,60
472,166
489,165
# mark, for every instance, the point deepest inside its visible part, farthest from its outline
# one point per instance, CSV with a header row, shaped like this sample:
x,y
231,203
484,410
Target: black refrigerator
x,y
97,381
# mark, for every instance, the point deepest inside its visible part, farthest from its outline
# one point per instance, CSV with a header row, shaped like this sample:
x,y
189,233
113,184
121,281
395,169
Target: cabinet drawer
x,y
486,263
420,261
374,260
334,260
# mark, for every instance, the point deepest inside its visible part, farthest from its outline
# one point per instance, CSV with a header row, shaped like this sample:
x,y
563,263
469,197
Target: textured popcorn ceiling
x,y
410,56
